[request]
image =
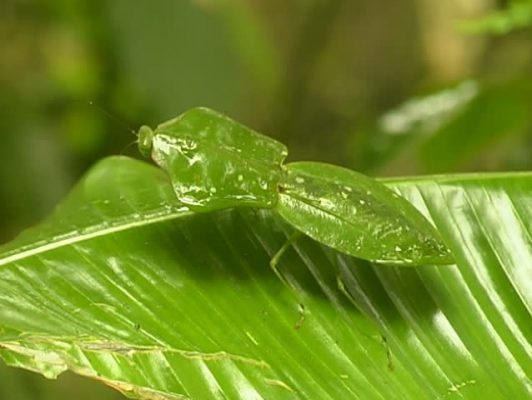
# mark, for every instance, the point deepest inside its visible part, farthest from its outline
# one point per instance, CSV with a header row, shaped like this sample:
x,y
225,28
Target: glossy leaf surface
x,y
162,304
215,162
358,215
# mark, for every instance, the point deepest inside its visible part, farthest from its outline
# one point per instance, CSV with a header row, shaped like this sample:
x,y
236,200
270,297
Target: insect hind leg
x,y
277,256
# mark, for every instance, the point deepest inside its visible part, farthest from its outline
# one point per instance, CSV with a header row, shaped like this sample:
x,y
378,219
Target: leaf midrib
x,y
93,231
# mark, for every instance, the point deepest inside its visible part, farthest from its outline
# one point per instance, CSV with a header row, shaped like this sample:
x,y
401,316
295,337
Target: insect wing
x,y
357,215
215,162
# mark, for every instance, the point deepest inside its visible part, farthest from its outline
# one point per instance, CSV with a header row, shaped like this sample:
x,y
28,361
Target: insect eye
x,y
145,140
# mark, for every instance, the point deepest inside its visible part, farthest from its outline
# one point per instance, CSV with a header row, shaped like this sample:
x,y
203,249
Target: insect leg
x,y
275,259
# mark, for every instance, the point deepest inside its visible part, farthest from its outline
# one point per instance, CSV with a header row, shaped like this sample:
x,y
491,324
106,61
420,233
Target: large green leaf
x,y
123,286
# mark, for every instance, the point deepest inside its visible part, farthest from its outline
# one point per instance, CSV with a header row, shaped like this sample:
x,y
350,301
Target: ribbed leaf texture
x,y
124,286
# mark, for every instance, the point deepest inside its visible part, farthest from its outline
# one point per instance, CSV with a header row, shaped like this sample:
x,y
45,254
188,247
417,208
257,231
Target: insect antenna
x,y
114,118
121,122
127,146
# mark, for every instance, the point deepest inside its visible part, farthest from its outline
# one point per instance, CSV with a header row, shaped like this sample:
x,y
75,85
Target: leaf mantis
x,y
214,163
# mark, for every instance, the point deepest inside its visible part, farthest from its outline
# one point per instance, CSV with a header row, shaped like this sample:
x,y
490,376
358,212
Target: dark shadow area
x,y
238,244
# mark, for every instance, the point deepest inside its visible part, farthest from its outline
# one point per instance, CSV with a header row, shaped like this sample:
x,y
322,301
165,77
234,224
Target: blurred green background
x,y
386,88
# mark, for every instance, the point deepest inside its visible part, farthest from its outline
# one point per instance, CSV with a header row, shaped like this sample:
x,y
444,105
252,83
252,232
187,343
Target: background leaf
x,y
159,303
516,15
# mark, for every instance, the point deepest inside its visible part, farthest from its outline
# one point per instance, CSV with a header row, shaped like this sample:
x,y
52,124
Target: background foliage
x,y
387,88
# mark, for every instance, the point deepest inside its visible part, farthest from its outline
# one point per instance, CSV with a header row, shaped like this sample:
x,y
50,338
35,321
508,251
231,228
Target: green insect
x,y
214,162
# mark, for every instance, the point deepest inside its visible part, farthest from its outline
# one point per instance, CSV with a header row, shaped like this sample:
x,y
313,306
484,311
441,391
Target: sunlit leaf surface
x,y
122,285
